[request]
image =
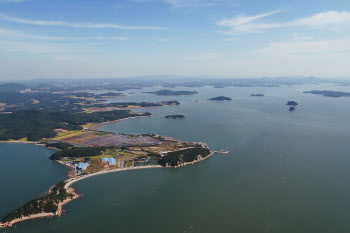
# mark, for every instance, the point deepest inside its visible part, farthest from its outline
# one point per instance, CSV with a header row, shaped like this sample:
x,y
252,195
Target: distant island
x,y
109,95
221,98
175,116
172,93
257,95
292,103
335,94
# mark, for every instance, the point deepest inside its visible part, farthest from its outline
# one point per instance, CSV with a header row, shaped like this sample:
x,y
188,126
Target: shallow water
x,y
286,172
26,173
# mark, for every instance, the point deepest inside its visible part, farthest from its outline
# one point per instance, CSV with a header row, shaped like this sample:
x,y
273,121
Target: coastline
x,y
23,142
196,161
70,190
73,179
95,127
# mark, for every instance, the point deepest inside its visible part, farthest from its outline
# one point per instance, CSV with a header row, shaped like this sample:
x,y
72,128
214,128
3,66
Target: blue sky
x,y
221,38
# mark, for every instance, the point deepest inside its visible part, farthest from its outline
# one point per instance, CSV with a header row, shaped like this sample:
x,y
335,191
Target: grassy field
x,y
62,135
101,156
20,140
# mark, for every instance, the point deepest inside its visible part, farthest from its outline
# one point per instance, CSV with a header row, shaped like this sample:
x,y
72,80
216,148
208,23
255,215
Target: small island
x,y
292,103
175,116
221,98
172,93
257,95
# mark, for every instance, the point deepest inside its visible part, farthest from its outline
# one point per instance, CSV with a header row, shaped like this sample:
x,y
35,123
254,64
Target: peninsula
x,y
90,152
336,94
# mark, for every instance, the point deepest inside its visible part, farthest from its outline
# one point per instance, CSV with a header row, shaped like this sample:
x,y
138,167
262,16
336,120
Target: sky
x,y
209,38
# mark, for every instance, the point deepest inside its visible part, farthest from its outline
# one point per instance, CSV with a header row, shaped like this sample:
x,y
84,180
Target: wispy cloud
x,y
6,33
11,1
18,35
186,3
306,46
175,4
75,25
110,38
35,47
201,57
242,24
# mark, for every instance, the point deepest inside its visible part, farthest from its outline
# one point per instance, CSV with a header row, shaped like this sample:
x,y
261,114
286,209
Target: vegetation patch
x,y
47,204
177,158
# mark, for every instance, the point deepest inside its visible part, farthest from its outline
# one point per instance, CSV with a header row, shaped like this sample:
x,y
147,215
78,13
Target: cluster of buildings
x,y
82,166
27,90
110,161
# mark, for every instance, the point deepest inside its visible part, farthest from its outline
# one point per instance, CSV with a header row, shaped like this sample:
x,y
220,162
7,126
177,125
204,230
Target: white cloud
x,y
306,47
324,19
5,33
11,1
231,39
198,3
110,38
242,24
35,47
75,25
201,57
163,40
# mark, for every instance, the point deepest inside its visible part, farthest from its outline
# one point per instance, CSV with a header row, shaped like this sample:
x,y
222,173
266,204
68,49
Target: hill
x,y
12,87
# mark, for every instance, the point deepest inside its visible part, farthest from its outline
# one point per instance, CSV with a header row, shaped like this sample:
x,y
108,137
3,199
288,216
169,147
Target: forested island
x,y
221,98
175,116
336,94
259,95
172,93
292,103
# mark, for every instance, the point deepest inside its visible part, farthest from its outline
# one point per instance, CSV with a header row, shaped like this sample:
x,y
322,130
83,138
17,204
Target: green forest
x,y
47,204
175,158
36,125
77,152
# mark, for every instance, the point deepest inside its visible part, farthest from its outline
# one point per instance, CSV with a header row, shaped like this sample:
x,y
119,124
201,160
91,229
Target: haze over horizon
x,y
91,39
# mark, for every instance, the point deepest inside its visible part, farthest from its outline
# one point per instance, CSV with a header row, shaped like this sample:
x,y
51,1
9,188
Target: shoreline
x,y
95,127
73,179
71,190
23,142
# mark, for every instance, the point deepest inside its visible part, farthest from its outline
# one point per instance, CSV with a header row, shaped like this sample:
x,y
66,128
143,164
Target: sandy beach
x,y
70,190
73,179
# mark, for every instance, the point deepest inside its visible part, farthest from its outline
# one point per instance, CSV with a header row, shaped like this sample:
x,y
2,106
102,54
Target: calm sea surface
x,y
286,171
